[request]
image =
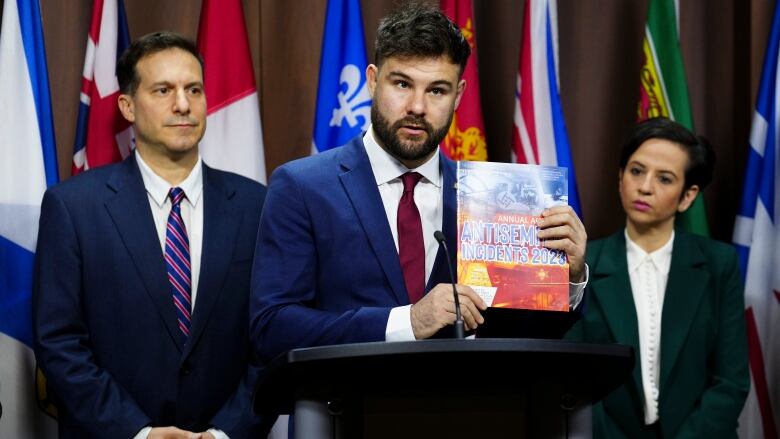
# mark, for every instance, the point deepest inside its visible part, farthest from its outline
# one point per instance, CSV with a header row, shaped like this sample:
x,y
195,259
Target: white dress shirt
x,y
157,190
428,198
649,273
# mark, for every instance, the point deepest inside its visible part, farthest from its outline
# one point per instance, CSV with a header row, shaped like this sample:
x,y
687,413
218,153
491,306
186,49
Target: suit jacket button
x,y
184,371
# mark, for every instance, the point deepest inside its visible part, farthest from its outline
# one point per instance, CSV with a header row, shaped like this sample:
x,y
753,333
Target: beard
x,y
410,149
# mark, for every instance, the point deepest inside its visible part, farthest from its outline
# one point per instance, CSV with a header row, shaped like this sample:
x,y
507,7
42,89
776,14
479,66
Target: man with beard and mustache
x,y
345,249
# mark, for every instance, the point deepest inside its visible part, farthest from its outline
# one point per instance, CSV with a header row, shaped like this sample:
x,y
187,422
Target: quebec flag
x,y
757,238
28,165
343,101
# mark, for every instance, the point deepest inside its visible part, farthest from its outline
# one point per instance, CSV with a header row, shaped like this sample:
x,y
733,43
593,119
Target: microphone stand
x,y
460,331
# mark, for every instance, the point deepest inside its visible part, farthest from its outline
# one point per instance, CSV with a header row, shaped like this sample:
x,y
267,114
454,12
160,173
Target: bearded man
x,y
346,250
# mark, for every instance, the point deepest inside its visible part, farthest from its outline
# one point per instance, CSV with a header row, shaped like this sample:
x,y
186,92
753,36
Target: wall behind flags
x,y
722,41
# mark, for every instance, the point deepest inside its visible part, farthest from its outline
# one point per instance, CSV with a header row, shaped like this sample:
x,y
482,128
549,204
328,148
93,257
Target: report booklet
x,y
499,253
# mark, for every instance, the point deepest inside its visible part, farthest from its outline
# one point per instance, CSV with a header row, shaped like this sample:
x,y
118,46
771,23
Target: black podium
x,y
488,388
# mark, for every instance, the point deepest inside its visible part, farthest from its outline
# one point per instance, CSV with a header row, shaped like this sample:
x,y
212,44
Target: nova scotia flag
x,y
343,102
28,164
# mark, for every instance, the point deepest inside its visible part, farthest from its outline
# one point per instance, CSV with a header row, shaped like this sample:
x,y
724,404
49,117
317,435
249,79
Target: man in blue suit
x,y
142,276
346,251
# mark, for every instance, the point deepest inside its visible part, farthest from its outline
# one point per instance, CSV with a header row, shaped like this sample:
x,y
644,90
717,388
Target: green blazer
x,y
704,377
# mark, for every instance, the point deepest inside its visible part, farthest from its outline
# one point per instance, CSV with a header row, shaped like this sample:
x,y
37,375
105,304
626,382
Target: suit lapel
x,y
684,290
449,226
220,226
611,288
360,185
129,210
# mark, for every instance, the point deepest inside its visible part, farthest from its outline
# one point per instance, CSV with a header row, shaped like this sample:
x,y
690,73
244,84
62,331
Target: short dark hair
x,y
149,44
420,30
701,157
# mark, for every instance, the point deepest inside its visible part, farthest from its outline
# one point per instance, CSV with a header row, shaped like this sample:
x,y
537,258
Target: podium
x,y
489,388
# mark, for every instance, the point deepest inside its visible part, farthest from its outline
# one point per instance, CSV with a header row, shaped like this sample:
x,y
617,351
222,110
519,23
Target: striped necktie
x,y
177,261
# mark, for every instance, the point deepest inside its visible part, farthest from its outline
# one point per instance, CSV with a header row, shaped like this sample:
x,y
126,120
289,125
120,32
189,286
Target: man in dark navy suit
x,y
346,251
142,276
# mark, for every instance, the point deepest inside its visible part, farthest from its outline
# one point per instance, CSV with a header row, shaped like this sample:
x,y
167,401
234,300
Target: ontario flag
x,y
757,238
466,137
234,134
28,165
663,88
103,136
540,136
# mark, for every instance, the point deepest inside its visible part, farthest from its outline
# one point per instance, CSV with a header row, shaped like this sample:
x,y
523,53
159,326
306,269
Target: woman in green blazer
x,y
676,298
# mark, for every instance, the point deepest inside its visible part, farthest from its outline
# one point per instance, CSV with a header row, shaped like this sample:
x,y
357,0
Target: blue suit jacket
x,y
104,320
327,269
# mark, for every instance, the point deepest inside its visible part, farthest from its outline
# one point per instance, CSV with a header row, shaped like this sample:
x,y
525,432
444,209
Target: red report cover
x,y
499,254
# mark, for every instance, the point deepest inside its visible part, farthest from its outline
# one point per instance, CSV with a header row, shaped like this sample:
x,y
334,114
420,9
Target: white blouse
x,y
649,273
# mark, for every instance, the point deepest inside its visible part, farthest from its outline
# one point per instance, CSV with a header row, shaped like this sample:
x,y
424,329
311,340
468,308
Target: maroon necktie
x,y
411,246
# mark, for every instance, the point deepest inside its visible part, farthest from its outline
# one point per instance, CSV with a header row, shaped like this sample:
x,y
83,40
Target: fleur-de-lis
x,y
354,102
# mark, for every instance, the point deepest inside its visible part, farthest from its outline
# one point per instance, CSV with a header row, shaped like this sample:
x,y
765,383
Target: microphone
x,y
459,326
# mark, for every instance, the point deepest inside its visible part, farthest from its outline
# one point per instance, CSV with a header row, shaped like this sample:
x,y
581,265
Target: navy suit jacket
x,y
104,320
327,269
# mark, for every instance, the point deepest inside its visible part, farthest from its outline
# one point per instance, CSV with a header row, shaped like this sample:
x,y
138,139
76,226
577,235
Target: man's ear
x,y
126,107
687,198
372,72
461,87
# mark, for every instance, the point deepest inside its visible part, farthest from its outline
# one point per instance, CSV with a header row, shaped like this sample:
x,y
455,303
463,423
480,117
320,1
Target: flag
x,y
663,88
466,137
539,135
103,136
28,164
234,134
343,102
757,238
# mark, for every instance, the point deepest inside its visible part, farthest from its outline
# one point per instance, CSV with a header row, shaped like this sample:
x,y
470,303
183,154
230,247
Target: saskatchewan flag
x,y
663,89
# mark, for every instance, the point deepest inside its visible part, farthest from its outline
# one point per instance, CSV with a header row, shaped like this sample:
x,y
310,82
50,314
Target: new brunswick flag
x,y
466,138
663,88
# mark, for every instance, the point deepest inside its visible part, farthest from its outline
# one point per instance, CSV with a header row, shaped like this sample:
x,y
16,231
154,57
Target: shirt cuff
x,y
399,324
218,434
143,434
576,290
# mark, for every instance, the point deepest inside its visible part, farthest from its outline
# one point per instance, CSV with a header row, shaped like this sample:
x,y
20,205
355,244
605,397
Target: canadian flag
x,y
234,134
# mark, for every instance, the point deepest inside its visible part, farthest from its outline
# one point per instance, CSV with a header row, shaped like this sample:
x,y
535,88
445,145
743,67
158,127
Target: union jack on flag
x,y
539,136
103,136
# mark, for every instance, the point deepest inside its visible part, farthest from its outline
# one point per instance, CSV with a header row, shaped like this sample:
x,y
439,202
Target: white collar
x,y
635,255
158,188
387,168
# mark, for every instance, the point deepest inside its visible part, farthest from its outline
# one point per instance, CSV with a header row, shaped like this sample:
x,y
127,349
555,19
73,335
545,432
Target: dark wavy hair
x,y
418,30
701,157
147,45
